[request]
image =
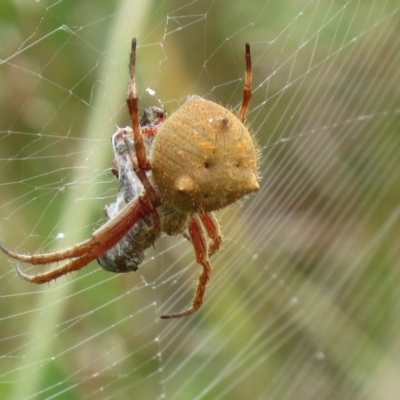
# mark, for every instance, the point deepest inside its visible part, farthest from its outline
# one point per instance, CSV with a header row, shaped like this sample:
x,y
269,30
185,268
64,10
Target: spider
x,y
200,159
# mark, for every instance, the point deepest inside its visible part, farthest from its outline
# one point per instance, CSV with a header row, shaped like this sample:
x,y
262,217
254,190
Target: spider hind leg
x,y
200,245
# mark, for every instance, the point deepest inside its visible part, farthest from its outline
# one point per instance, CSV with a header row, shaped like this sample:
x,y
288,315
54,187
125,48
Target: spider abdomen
x,y
203,157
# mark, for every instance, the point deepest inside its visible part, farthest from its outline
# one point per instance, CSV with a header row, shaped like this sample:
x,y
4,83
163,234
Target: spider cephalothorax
x,y
173,173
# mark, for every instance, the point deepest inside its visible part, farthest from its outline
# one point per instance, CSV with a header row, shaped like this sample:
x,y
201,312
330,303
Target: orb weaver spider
x,y
200,159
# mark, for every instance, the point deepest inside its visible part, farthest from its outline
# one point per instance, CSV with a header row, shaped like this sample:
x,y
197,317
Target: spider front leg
x,y
102,240
132,102
142,165
150,192
74,265
200,245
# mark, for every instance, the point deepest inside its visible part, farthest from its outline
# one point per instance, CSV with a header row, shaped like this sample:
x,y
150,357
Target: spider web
x,y
304,299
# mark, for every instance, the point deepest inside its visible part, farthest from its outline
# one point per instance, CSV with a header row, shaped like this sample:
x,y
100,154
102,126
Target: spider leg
x,y
247,85
102,240
150,192
132,102
55,273
50,257
213,231
138,157
201,250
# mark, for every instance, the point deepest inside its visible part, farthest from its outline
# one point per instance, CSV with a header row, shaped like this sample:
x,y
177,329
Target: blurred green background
x,y
304,299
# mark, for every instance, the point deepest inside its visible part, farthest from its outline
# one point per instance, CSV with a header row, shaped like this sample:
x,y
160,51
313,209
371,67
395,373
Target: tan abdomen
x,y
203,157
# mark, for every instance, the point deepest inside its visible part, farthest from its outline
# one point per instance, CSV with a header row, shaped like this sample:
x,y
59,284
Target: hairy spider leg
x,y
154,200
199,242
46,258
102,239
142,165
55,273
247,85
213,231
132,102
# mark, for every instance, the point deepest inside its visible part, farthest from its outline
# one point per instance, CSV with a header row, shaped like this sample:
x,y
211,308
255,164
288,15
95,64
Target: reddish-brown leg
x,y
199,242
247,85
151,194
74,265
142,164
132,102
46,258
213,231
102,240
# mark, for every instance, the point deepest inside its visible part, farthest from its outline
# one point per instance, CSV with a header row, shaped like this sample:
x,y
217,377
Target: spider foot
x,y
22,274
189,311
